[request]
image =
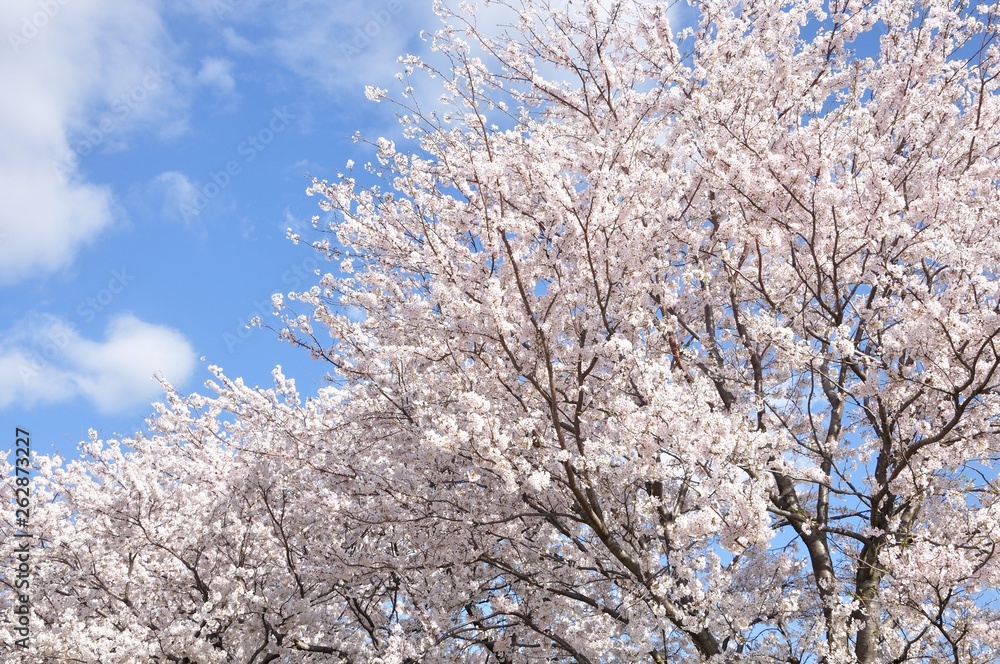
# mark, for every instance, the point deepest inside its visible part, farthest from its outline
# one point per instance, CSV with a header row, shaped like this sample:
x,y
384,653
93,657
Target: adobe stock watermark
x,y
91,306
365,33
294,278
223,7
32,25
22,537
56,339
92,137
249,149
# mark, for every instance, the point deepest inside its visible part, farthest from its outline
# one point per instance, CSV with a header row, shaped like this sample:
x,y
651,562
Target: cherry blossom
x,y
651,343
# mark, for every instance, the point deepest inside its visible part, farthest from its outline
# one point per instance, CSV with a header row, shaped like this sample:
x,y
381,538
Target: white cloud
x,y
221,10
180,198
237,43
45,360
349,42
78,76
217,74
332,43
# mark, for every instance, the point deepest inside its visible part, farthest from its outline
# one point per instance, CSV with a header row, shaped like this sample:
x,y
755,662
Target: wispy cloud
x,y
216,74
332,43
237,43
178,196
349,43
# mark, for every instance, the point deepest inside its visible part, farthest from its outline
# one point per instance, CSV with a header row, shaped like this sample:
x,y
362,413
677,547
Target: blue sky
x,y
152,156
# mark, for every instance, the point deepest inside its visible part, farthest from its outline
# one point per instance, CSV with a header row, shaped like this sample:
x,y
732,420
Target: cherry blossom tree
x,y
650,344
